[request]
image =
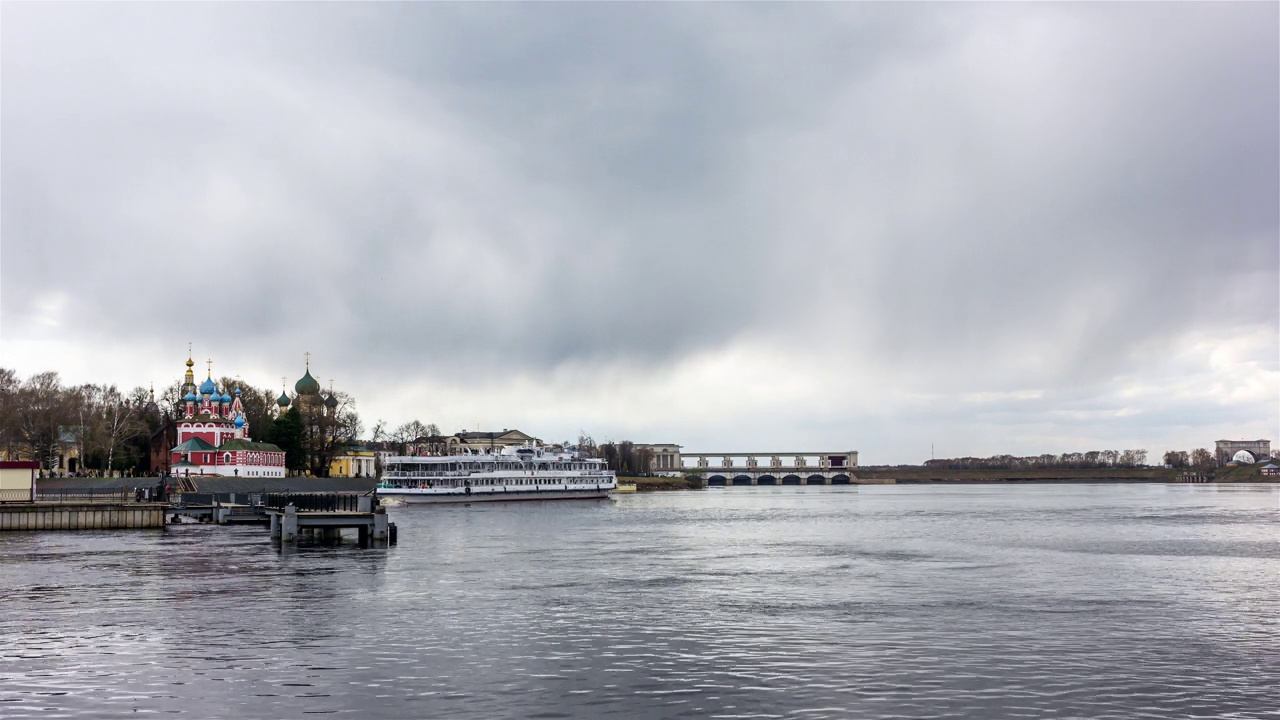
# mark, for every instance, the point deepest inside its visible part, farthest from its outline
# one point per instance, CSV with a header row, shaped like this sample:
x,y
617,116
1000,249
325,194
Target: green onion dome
x,y
331,402
307,385
283,400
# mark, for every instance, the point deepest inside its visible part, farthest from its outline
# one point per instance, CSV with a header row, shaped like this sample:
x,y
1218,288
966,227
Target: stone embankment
x,y
81,516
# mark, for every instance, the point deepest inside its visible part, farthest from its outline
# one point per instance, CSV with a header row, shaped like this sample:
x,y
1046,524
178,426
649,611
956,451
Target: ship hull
x,y
459,495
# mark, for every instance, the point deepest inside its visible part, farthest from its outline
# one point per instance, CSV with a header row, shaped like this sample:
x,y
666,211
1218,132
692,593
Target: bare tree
x,y
259,405
170,400
9,387
410,431
85,403
1201,458
328,430
120,422
41,410
379,433
587,445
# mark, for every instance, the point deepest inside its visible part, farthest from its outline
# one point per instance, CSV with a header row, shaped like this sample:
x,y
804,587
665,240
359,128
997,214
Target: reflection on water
x,y
978,601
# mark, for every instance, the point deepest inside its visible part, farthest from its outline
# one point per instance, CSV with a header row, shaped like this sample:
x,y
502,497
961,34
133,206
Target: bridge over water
x,y
763,468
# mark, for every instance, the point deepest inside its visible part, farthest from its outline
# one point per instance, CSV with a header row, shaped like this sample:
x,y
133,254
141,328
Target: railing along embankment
x,y
77,509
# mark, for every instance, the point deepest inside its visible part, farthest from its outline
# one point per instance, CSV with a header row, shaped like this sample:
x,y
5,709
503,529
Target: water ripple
x,y
1029,602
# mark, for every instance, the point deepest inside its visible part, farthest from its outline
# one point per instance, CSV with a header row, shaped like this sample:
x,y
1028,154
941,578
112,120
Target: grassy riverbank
x,y
1244,473
936,475
648,484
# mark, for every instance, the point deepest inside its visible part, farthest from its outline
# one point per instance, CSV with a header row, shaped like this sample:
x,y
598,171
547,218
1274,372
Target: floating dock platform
x,y
292,515
288,524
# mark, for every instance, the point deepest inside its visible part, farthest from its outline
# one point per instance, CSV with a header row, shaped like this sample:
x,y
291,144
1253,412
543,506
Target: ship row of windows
x,y
476,466
500,482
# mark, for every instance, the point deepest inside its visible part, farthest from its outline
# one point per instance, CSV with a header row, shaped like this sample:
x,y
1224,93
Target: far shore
x,y
1244,473
928,476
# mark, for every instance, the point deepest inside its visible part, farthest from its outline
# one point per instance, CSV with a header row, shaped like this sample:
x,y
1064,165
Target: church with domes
x,y
307,388
213,434
322,415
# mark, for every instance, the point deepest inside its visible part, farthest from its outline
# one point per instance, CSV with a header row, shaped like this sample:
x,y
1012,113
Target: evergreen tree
x,y
288,433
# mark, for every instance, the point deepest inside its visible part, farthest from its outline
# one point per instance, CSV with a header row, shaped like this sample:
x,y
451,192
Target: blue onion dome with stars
x,y
208,387
190,397
239,421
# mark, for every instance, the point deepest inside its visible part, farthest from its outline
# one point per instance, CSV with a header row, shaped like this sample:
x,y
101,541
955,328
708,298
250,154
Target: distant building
x,y
468,442
1226,450
356,462
1270,469
663,457
491,440
162,441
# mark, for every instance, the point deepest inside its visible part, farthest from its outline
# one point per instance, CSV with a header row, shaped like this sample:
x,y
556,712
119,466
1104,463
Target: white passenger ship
x,y
514,473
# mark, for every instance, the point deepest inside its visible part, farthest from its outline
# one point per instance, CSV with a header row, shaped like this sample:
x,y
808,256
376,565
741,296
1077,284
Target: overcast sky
x,y
987,228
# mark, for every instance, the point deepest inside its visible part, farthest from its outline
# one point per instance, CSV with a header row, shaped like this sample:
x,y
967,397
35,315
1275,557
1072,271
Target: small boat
x,y
512,473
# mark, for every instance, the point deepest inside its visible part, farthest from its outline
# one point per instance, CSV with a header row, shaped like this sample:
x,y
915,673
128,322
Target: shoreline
x,y
930,476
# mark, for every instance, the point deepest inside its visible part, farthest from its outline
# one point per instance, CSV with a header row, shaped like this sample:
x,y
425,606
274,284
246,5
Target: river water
x,y
1026,601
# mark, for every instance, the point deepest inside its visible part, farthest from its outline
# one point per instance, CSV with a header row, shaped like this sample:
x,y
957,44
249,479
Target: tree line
x,y
397,440
1200,459
41,419
625,459
1049,461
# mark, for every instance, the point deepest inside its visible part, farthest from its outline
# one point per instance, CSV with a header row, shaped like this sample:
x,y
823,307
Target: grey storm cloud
x,y
982,196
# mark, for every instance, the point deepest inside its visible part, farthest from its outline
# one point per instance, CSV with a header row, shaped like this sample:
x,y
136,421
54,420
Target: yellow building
x,y
68,452
356,462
